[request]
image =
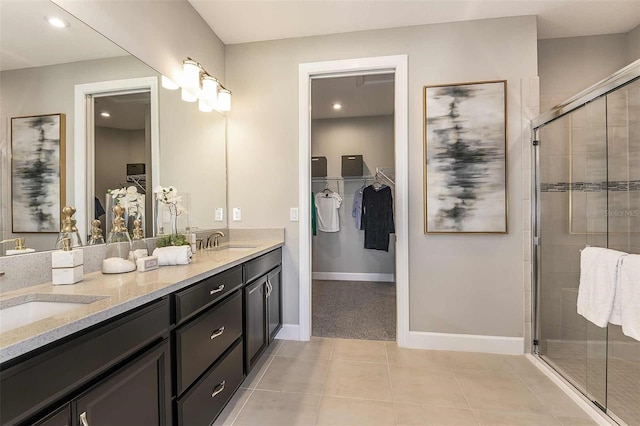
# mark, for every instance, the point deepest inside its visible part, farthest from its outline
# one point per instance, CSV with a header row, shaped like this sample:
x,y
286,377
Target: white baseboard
x,y
289,332
353,276
466,342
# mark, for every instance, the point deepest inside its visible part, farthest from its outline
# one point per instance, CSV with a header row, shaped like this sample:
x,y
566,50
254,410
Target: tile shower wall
x,y
590,195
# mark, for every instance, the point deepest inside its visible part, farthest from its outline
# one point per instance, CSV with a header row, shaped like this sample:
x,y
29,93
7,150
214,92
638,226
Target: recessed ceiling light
x,y
57,22
105,114
337,106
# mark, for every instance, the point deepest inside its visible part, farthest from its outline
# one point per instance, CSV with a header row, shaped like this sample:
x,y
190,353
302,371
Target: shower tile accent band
x,y
618,186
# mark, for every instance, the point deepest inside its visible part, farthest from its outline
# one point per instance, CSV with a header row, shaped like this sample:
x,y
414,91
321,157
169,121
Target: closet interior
x,y
353,243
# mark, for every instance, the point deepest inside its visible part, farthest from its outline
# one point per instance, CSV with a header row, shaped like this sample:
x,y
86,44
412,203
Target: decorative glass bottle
x,y
96,233
139,246
69,229
119,252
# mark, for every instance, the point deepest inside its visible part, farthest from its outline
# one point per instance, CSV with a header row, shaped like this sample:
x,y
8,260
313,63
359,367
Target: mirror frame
x,y
83,162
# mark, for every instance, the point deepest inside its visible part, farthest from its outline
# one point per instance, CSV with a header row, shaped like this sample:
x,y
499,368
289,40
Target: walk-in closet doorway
x,y
353,289
352,286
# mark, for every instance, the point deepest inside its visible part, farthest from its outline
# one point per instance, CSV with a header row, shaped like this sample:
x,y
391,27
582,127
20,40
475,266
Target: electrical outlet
x,y
293,214
219,214
237,214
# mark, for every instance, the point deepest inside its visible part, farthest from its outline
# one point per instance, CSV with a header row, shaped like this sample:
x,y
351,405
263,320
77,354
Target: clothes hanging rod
x,y
323,179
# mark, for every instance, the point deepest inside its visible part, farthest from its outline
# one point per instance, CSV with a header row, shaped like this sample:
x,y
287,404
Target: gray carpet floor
x,y
354,310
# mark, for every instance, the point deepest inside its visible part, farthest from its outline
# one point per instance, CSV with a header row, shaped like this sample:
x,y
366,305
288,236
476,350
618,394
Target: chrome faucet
x,y
215,235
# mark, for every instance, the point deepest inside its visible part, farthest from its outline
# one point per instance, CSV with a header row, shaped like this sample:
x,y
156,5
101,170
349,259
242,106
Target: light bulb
x,y
190,74
224,100
210,89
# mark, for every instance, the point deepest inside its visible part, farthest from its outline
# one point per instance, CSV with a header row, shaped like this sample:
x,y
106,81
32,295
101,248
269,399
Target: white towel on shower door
x,y
629,295
599,268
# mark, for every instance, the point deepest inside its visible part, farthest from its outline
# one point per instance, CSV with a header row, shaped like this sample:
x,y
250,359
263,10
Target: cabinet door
x,y
60,417
274,302
137,394
255,320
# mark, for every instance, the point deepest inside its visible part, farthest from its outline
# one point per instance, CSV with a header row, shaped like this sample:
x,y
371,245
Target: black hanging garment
x,y
377,217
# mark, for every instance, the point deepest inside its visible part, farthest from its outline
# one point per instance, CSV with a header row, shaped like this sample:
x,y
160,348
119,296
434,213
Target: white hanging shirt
x,y
327,205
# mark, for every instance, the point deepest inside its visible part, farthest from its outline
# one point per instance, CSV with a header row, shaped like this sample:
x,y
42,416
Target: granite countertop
x,y
118,293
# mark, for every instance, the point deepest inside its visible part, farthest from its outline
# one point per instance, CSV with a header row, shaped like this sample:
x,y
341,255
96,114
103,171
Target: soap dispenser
x,y
20,247
66,264
139,246
69,229
96,233
118,257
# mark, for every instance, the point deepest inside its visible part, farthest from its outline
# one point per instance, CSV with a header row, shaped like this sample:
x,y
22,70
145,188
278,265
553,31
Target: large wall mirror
x,y
151,137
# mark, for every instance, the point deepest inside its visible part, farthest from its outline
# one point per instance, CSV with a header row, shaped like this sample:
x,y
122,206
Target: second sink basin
x,y
232,247
26,309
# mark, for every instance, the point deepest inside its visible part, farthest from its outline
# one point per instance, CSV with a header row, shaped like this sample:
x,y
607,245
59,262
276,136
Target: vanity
x,y
169,346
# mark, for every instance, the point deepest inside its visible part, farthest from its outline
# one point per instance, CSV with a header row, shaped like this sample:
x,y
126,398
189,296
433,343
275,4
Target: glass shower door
x,y
572,215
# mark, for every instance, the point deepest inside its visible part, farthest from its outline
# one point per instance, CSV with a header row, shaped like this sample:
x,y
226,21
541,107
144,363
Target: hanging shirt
x,y
356,210
313,216
327,205
377,217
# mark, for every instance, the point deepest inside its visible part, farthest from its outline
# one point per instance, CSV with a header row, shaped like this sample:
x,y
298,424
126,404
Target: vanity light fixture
x,y
224,99
169,84
198,85
57,22
105,114
337,106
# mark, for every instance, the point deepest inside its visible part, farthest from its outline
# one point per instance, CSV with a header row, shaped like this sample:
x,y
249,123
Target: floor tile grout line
x,y
324,385
464,396
393,406
243,405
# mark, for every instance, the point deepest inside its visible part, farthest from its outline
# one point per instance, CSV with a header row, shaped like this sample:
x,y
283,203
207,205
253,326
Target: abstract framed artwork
x,y
37,173
465,158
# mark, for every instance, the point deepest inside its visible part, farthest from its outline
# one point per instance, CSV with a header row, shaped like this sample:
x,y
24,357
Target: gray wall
x,y
116,148
371,137
567,66
469,284
633,44
160,33
49,90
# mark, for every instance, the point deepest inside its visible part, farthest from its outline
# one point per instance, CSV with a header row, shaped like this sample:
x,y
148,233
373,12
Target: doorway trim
x,y
398,64
84,142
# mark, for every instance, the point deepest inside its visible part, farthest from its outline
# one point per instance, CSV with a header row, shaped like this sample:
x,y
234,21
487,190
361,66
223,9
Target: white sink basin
x,y
27,309
233,247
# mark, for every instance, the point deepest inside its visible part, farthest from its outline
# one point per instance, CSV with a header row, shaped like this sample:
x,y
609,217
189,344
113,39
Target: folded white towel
x,y
629,285
173,255
599,269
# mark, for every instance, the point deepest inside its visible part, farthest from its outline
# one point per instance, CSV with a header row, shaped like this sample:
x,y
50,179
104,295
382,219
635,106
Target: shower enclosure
x,y
587,193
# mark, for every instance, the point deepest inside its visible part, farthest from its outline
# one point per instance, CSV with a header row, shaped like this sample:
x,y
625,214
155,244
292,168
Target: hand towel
x,y
173,255
599,269
629,294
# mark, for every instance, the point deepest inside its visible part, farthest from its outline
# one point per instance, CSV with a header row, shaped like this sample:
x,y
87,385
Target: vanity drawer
x,y
260,266
202,404
206,292
202,341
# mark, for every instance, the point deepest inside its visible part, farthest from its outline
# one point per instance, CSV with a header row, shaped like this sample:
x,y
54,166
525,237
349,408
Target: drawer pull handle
x,y
217,290
218,388
217,333
83,419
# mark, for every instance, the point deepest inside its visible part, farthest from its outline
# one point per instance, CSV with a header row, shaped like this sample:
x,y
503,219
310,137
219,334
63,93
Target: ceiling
x,y
27,40
360,96
248,21
127,111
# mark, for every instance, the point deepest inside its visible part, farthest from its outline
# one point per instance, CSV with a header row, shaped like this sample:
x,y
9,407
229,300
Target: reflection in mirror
x,y
40,68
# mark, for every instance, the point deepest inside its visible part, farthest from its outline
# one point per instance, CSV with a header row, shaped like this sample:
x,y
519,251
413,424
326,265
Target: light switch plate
x,y
293,214
237,214
219,214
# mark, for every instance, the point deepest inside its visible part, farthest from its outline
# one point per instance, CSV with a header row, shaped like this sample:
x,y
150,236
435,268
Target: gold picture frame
x,y
465,158
38,178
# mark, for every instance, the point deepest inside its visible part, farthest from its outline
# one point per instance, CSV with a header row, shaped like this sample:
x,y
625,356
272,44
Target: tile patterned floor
x,y
359,382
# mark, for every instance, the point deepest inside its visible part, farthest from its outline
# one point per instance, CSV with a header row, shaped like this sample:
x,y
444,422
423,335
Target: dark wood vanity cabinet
x,y
176,360
262,304
208,362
